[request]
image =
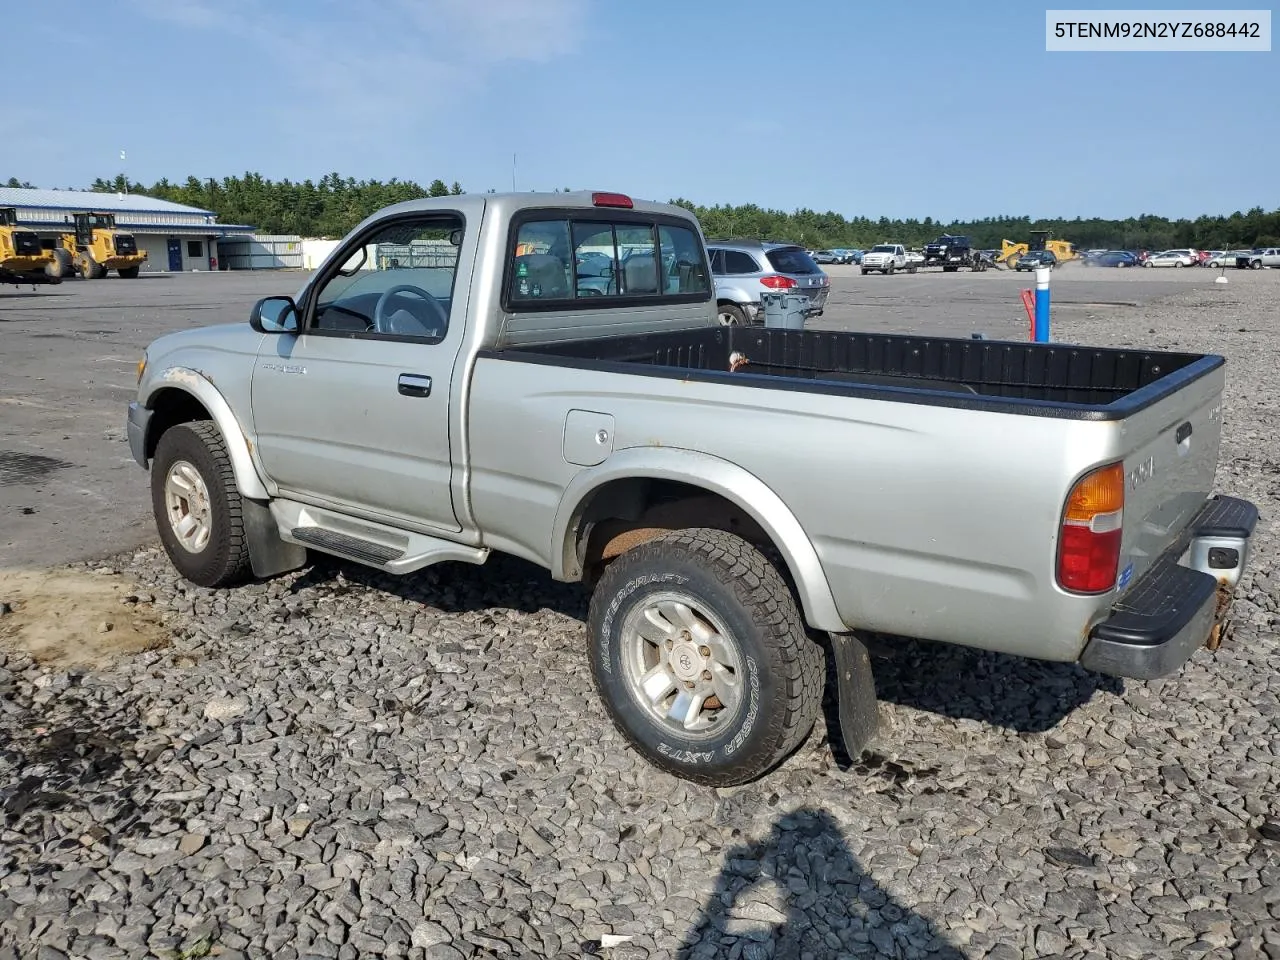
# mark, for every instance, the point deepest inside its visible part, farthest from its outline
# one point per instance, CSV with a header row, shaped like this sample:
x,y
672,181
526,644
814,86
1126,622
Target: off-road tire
x,y
783,673
225,559
60,265
128,273
89,268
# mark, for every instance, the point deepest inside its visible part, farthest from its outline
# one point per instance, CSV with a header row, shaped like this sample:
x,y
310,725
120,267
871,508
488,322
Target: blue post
x,y
1042,304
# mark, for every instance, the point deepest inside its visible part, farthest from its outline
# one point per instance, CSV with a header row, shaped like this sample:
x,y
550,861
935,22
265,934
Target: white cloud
x,y
496,30
353,68
187,13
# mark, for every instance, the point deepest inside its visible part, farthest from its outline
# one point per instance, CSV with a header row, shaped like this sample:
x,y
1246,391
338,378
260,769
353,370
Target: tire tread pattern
x,y
760,587
235,567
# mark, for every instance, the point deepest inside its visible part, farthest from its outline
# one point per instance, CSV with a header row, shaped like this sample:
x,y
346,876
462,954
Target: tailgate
x,y
1171,458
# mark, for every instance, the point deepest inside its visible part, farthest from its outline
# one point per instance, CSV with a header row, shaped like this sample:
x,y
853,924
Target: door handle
x,y
414,385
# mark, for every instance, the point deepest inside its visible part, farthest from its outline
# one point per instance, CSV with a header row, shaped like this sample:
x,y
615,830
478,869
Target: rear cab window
x,y
580,259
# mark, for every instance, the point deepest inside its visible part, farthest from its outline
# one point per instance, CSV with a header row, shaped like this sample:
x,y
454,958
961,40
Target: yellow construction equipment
x,y
1009,252
96,247
22,259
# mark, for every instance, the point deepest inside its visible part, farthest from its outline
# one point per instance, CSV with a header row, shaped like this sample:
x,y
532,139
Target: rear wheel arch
x,y
688,489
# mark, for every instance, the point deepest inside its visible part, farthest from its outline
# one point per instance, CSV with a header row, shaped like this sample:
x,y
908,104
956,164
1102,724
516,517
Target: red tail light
x,y
775,282
612,200
1092,527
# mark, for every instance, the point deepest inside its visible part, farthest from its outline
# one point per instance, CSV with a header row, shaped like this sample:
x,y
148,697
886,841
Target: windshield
x,y
792,260
882,248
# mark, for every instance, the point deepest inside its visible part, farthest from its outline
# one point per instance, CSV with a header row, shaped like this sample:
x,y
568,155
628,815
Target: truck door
x,y
354,411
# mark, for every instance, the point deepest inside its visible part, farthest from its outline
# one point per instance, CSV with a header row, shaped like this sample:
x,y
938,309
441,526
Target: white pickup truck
x,y
888,257
1259,258
741,502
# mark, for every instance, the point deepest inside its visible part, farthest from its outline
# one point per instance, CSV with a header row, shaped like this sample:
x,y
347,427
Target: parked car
x,y
827,256
1113,258
746,269
1033,259
1258,258
692,476
1170,258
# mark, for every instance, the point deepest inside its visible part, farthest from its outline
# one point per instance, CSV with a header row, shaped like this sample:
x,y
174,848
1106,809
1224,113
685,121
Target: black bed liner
x,y
1056,380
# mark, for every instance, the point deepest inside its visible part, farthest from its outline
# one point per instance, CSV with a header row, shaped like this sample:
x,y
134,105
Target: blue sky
x,y
831,105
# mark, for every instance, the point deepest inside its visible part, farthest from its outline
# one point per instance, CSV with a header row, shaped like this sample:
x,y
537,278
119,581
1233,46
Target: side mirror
x,y
274,315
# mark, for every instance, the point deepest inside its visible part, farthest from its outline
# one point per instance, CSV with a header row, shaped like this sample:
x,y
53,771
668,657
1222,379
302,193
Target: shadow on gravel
x,y
69,778
801,891
504,582
1028,696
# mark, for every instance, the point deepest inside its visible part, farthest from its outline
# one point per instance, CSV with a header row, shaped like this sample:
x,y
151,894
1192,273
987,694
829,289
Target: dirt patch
x,y
70,618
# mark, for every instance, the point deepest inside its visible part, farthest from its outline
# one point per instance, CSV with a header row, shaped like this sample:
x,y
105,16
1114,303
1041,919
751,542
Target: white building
x,y
177,238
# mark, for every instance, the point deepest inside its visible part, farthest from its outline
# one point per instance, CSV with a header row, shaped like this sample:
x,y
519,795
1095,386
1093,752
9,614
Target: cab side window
x,y
398,284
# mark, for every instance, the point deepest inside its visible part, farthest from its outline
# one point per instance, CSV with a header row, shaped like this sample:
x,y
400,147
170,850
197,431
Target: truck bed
x,y
1056,380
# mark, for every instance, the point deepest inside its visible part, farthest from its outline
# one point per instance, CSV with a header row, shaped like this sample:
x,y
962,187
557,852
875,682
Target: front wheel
x,y
701,657
197,508
128,273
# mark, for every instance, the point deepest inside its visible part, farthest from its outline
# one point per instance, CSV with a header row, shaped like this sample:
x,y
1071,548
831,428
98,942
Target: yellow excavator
x,y
1009,252
22,258
95,247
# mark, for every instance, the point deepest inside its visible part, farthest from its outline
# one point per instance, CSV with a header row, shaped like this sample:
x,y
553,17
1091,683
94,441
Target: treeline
x,y
327,208
825,230
333,205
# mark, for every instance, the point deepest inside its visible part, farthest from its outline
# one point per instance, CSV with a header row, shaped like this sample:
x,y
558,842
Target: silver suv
x,y
746,269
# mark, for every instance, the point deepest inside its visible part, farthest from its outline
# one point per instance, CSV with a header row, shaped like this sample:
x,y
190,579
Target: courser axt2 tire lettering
x,y
701,657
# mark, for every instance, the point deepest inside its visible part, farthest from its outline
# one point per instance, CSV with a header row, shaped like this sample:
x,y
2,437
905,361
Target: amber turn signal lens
x,y
1101,491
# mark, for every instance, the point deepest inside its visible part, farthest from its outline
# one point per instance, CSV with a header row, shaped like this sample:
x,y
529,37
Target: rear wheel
x,y
197,508
128,273
701,657
1179,264
731,315
865,271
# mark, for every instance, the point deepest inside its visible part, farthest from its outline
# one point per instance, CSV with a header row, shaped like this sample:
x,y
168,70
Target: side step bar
x,y
367,542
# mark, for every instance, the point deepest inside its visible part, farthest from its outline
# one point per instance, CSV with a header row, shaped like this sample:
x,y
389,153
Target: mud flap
x,y
268,554
856,690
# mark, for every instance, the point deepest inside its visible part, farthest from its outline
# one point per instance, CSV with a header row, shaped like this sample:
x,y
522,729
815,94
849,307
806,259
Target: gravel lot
x,y
340,764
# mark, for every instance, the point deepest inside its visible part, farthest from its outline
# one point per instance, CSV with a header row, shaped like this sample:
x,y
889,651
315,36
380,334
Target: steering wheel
x,y
380,320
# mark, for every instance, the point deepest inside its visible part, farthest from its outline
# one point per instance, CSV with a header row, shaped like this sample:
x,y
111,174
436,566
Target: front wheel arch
x,y
206,397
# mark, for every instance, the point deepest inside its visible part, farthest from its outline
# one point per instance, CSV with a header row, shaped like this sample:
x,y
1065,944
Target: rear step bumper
x,y
1182,602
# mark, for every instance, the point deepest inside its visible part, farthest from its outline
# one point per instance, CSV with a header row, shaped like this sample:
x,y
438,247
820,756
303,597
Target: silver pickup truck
x,y
745,504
